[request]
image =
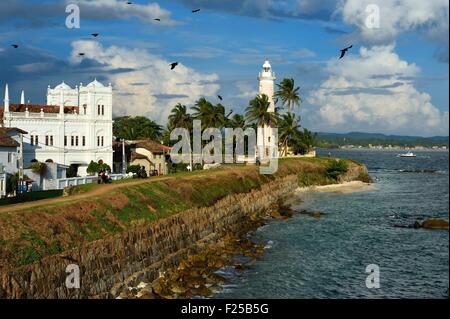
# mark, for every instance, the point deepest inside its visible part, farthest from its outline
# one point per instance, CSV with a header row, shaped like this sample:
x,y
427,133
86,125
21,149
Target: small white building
x,y
11,143
73,128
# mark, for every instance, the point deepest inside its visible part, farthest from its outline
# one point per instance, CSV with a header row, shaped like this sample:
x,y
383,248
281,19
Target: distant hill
x,y
364,139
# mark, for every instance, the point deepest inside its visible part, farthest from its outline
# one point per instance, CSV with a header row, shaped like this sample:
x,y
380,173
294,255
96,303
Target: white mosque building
x,y
73,128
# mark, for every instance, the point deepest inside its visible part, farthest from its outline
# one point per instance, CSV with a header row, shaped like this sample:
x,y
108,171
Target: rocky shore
x,y
173,257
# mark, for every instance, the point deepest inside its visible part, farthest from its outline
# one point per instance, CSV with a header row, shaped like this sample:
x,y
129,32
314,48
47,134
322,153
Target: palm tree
x,y
238,121
288,94
179,117
217,116
289,128
258,111
202,111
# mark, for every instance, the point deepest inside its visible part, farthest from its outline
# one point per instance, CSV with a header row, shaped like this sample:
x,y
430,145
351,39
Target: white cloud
x,y
152,89
396,17
375,92
119,9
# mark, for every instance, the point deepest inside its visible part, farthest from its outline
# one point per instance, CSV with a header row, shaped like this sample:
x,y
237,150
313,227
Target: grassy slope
x,y
26,236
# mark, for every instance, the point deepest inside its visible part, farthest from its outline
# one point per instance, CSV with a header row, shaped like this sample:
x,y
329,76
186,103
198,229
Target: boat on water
x,y
409,154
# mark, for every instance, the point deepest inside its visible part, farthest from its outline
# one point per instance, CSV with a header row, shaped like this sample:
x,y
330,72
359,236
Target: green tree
x,y
203,110
179,117
304,141
288,94
133,128
238,121
93,168
289,128
258,111
336,168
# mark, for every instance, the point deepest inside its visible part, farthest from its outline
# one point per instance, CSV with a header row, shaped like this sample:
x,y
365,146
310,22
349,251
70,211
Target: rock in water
x,y
435,223
315,214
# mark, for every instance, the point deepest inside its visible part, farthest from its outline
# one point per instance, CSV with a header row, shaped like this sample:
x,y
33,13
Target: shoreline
x,y
344,188
213,259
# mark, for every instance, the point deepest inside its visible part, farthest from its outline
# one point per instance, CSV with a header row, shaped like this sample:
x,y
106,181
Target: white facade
x,y
267,141
74,128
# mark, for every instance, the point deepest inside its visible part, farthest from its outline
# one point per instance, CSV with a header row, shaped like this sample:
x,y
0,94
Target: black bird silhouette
x,y
129,2
196,10
173,65
95,35
344,51
220,97
157,19
81,54
15,46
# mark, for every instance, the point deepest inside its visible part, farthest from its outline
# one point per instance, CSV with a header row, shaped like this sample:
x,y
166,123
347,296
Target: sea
x,y
355,249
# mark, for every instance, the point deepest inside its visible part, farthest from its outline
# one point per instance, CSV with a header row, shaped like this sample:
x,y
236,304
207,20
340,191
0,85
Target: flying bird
x,y
173,65
344,51
129,2
95,35
81,54
220,97
231,112
196,10
15,46
157,19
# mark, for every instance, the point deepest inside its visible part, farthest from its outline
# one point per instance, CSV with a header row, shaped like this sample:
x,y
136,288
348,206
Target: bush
x,y
133,169
336,168
94,168
38,168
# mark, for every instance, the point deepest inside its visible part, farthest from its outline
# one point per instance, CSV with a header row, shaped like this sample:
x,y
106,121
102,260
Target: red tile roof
x,y
36,108
6,141
135,156
153,146
5,130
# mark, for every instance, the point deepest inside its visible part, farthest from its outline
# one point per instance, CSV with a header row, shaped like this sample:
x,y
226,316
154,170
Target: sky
x,y
394,80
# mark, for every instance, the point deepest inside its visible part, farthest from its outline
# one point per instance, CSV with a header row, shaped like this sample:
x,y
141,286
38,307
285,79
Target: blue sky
x,y
394,80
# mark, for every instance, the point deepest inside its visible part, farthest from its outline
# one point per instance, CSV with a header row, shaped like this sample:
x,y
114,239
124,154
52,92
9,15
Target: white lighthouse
x,y
267,139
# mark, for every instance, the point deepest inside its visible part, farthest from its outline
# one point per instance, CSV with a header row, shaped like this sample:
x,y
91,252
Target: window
x,y
84,108
98,140
103,110
83,141
51,140
76,140
72,140
46,140
65,140
102,140
32,139
98,109
9,157
36,140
